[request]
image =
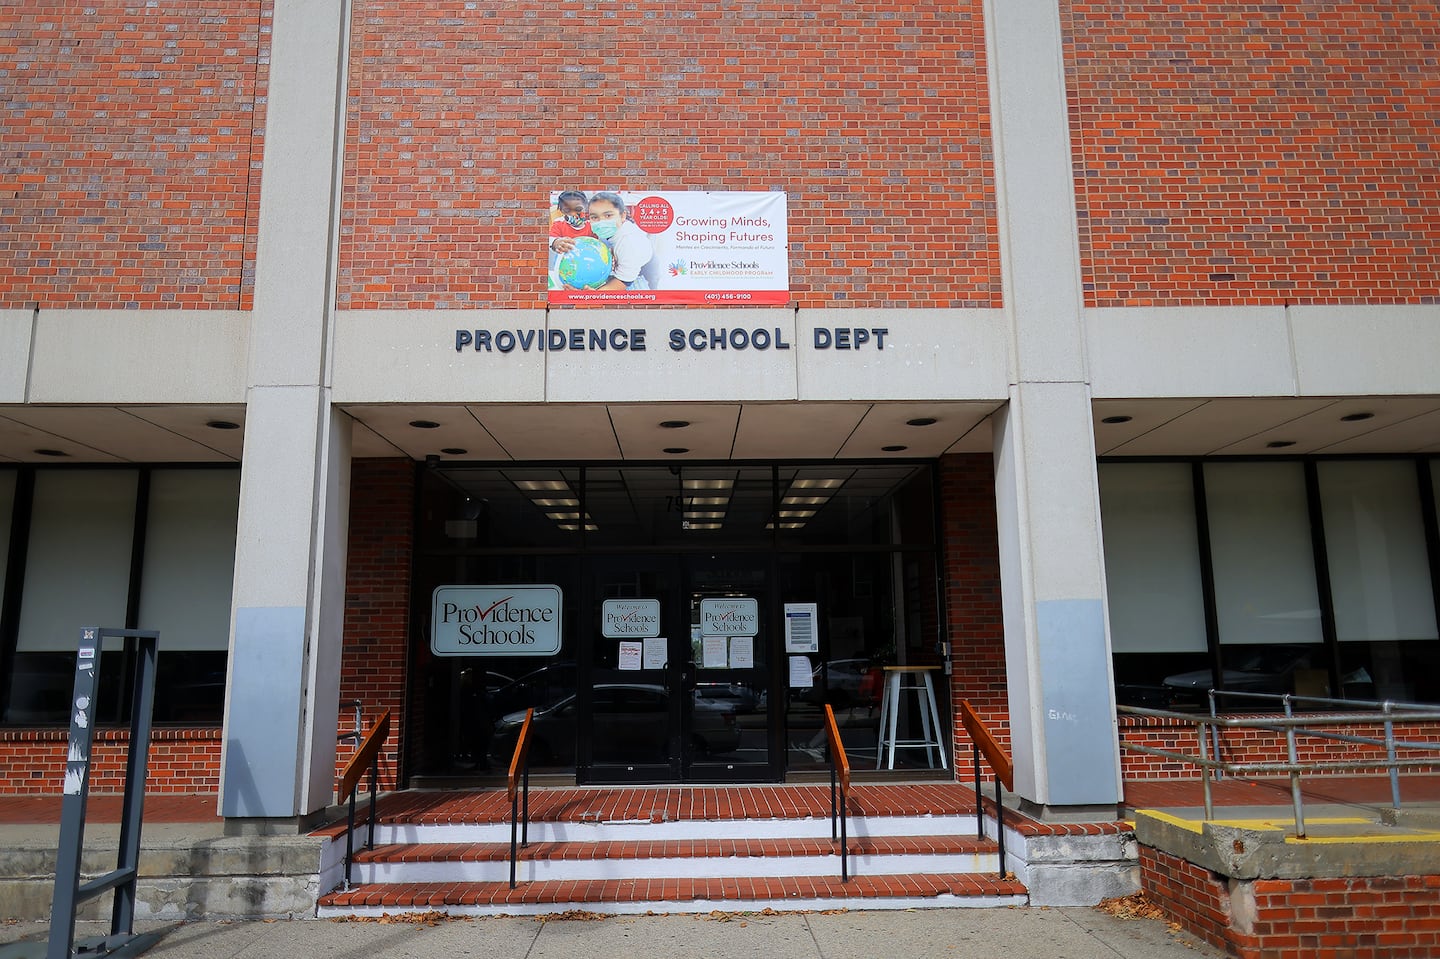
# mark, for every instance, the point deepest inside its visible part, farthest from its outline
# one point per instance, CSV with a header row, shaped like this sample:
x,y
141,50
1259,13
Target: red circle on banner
x,y
653,214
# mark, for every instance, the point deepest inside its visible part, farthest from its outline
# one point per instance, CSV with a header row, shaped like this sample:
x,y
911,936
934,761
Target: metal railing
x,y
839,785
367,756
357,730
517,785
982,742
1312,725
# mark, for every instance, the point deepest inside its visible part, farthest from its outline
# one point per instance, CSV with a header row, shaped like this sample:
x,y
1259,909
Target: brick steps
x,y
714,858
677,895
689,849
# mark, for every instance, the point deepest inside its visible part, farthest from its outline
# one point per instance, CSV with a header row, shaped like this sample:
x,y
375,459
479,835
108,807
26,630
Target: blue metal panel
x,y
1077,715
262,744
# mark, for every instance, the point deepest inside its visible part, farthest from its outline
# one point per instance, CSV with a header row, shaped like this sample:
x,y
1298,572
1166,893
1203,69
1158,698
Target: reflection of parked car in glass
x,y
629,721
1248,669
539,687
845,682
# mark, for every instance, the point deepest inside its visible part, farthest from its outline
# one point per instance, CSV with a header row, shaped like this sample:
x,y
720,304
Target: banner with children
x,y
625,246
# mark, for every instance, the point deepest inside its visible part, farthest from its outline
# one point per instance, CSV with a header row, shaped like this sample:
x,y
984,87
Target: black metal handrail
x,y
357,730
367,756
839,785
517,784
982,742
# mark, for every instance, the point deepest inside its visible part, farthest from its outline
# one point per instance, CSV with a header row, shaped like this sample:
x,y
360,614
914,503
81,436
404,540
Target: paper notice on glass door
x,y
800,672
800,633
716,652
630,654
657,652
742,652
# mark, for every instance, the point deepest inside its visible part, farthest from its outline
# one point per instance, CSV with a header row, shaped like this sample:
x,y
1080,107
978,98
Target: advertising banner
x,y
495,620
639,247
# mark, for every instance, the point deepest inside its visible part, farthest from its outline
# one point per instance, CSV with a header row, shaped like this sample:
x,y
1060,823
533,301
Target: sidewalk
x,y
1030,933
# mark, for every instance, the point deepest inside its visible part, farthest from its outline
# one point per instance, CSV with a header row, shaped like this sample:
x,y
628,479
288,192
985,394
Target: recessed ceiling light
x,y
817,483
1279,444
677,449
1117,419
674,424
543,485
425,424
51,453
1356,417
713,484
922,421
454,451
556,501
893,449
793,500
222,425
689,525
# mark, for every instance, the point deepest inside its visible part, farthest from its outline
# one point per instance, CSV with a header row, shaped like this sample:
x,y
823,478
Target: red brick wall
x,y
131,140
1252,746
32,761
972,598
1386,917
1239,153
1195,898
377,600
872,116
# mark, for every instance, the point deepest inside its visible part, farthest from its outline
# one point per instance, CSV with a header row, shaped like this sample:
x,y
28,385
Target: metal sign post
x,y
69,892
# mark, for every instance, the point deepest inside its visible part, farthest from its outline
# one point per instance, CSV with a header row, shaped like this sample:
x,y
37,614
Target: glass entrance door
x,y
678,665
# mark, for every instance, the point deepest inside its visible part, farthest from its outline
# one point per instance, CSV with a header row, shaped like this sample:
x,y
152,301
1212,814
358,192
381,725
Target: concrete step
x,y
632,896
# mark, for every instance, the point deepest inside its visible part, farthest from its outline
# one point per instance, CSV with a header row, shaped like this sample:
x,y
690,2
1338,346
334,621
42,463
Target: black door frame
x,y
682,762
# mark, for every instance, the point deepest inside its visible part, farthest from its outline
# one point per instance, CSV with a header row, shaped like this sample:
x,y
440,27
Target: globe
x,y
587,266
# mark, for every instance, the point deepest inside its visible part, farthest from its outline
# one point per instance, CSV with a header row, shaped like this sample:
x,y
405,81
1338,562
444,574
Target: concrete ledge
x,y
1335,848
181,878
1074,870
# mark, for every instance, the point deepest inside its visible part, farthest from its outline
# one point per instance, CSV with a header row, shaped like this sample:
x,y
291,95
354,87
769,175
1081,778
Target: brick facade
x,y
1240,154
377,601
972,597
1364,917
873,117
32,761
132,140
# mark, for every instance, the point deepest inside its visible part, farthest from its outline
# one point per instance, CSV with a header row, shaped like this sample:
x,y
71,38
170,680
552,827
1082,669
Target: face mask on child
x,y
577,220
604,229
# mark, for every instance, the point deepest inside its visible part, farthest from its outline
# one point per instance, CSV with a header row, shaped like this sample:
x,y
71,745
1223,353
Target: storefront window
x,y
1152,574
1380,580
186,586
698,697
78,572
1370,525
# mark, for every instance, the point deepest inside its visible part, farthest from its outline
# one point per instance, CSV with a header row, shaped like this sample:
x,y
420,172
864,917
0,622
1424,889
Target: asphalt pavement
x,y
1007,933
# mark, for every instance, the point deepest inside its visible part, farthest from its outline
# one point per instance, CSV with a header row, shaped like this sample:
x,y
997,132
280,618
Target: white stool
x,y
916,679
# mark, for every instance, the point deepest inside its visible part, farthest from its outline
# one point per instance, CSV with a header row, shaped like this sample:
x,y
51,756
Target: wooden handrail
x,y
517,760
995,754
517,784
999,760
365,754
837,749
839,776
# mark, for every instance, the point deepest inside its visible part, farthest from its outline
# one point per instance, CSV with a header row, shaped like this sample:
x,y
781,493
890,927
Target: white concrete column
x,y
288,608
1057,648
